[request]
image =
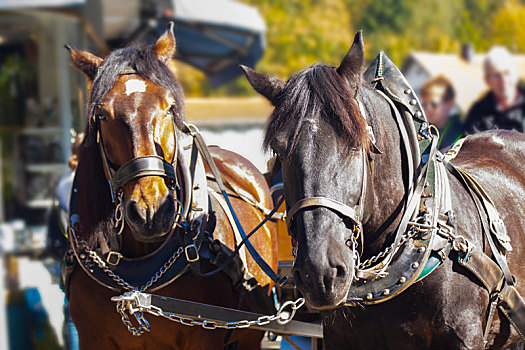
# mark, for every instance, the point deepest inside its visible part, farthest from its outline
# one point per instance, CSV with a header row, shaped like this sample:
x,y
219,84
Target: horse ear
x,y
352,64
269,87
85,61
165,47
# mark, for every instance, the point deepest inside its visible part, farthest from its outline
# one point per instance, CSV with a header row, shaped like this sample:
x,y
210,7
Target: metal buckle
x,y
191,250
112,254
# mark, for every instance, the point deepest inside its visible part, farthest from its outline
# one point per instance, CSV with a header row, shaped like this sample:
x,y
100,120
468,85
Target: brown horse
x,y
348,146
136,222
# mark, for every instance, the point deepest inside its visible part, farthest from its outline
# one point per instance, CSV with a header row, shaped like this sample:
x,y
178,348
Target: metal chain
x,y
119,214
139,316
422,225
129,302
369,262
121,282
163,269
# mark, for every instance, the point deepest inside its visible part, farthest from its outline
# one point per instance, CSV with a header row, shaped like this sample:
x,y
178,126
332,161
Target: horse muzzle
x,y
147,223
324,284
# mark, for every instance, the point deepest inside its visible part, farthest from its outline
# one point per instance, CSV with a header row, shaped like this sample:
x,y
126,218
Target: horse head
x,y
324,135
134,108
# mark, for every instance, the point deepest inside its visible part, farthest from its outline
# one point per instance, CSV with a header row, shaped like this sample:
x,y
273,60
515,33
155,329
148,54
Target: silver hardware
x,y
402,280
119,214
136,303
418,114
369,296
413,102
422,249
415,265
386,292
408,91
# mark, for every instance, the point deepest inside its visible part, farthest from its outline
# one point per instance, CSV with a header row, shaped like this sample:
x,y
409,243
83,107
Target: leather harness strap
x,y
478,194
205,152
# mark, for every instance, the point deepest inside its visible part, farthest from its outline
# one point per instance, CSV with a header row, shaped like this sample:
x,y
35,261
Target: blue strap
x,y
193,130
256,256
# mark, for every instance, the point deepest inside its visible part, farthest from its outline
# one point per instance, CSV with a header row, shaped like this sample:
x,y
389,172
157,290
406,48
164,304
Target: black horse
x,y
353,177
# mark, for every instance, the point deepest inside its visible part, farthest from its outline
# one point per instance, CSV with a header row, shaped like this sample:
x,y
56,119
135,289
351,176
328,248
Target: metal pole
x,y
3,318
64,84
2,214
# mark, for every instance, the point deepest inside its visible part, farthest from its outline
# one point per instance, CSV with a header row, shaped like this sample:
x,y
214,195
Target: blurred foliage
x,y
302,32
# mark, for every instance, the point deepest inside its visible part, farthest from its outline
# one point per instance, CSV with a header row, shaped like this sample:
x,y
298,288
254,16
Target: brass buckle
x,y
116,256
191,250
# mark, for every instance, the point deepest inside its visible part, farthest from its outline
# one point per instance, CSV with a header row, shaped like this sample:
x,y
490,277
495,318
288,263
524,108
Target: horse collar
x,y
401,263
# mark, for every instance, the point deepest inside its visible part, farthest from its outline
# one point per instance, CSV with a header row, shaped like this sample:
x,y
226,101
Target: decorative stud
x,y
82,256
415,265
402,280
386,292
422,249
418,114
408,91
369,296
413,102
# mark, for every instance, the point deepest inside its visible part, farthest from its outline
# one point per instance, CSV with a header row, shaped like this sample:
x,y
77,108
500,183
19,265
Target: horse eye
x,y
102,117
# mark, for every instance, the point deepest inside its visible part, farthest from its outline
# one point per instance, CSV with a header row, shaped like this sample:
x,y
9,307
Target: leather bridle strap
x,y
143,166
149,165
339,207
353,213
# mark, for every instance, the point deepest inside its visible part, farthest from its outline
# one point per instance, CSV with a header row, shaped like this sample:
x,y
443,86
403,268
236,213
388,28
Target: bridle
x,y
354,213
149,165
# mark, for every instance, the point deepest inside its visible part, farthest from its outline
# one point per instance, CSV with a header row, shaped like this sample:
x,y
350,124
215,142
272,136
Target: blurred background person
x,y
439,102
503,106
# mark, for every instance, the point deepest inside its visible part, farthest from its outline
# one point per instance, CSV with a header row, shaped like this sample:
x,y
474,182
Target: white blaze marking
x,y
135,85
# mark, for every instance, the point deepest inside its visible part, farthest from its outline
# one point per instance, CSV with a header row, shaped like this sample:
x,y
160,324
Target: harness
x,y
183,246
427,230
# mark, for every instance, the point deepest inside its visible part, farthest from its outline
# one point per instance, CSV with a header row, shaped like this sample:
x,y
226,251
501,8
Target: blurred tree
x,y
508,26
300,33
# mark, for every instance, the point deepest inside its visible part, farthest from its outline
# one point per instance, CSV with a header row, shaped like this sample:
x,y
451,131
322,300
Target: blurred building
x,y
42,97
464,70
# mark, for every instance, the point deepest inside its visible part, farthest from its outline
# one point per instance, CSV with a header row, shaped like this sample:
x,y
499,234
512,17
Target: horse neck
x,y
385,199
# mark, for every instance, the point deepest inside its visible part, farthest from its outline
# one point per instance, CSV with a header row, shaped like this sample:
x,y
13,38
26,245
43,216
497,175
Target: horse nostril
x,y
341,272
134,214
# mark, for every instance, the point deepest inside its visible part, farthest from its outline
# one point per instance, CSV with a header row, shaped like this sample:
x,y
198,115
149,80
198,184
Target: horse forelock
x,y
141,59
319,91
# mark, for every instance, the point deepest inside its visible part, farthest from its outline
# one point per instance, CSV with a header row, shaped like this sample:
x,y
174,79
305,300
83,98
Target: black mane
x,y
319,90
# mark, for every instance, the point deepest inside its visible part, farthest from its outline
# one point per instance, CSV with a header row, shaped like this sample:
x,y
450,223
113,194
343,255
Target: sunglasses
x,y
434,104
